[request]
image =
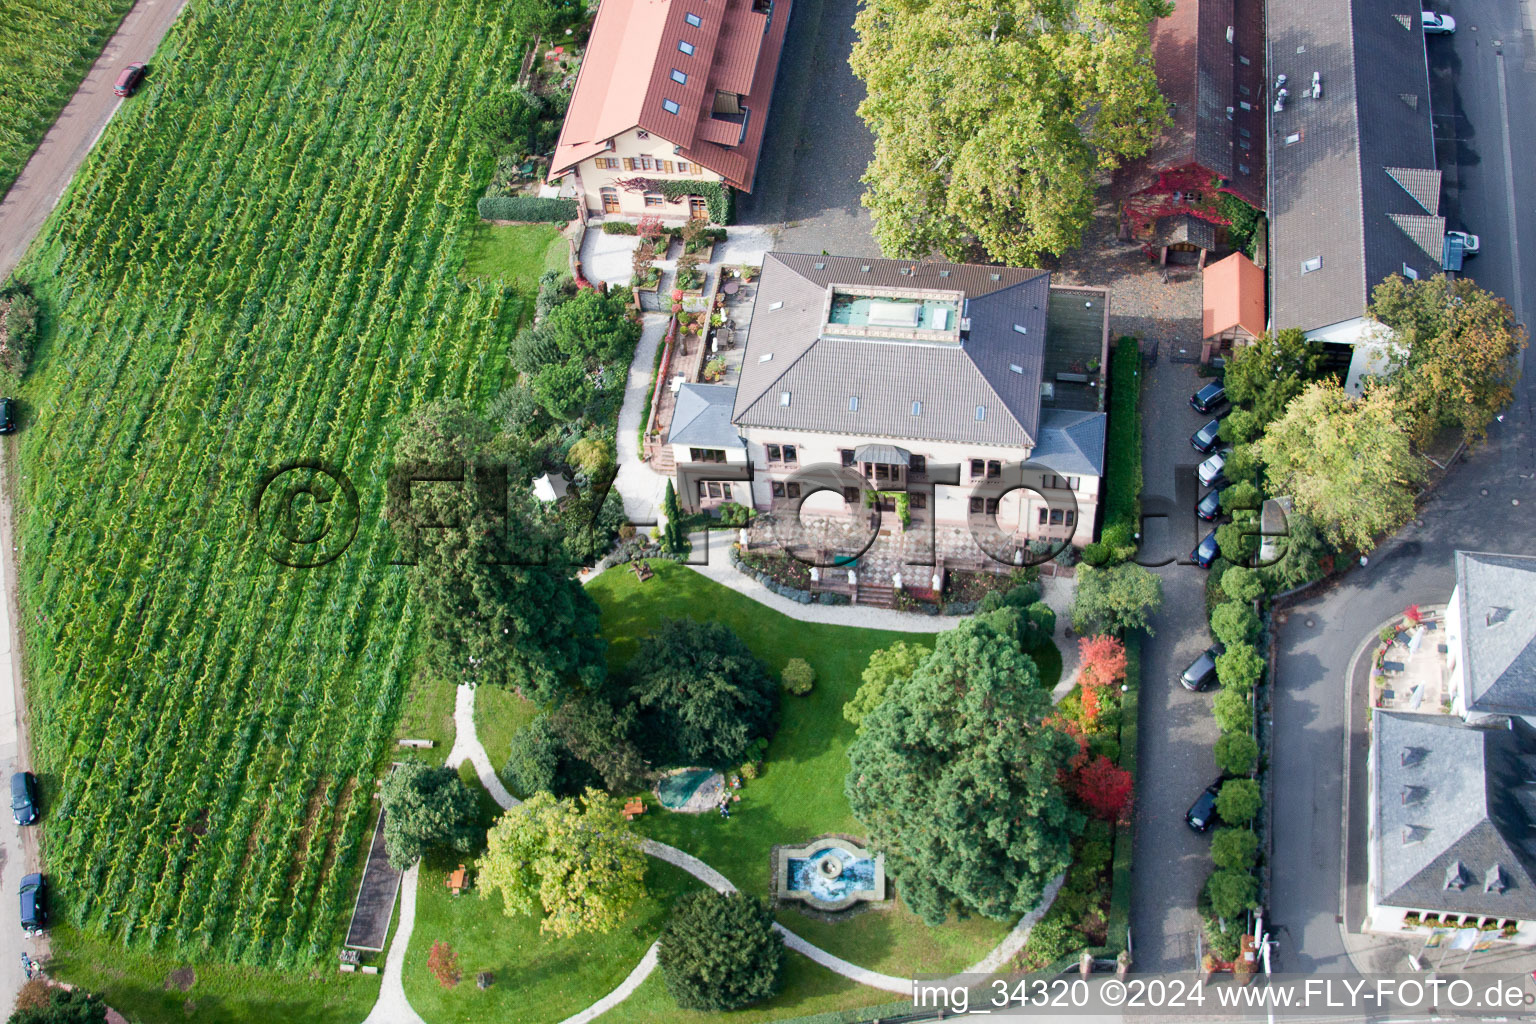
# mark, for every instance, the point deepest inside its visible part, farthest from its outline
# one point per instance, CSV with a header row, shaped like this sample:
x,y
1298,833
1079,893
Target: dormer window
x,y
693,19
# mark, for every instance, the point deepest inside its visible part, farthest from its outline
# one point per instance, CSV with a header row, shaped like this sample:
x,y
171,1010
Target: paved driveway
x,y
816,149
1174,759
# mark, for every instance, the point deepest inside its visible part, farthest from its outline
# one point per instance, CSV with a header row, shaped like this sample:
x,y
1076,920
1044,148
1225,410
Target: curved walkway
x,y
392,1006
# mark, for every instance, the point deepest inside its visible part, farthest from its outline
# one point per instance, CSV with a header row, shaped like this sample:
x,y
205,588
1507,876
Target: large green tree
x,y
703,696
1346,462
1457,346
956,778
576,860
993,119
501,601
1263,377
426,807
1115,598
720,951
897,661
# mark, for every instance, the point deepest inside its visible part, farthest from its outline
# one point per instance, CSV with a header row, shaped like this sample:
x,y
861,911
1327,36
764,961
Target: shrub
x,y
555,286
1239,801
618,227
1234,623
732,514
1239,539
1050,940
1242,584
527,208
720,951
798,676
18,327
1240,668
1235,848
1236,753
443,962
1233,711
749,770
1232,893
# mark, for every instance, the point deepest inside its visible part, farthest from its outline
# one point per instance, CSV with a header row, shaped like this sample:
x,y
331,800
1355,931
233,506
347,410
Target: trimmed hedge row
x,y
1122,470
527,208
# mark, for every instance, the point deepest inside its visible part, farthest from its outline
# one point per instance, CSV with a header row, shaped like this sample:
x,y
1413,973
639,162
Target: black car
x,y
34,904
24,798
7,416
1206,551
1209,507
1202,671
1205,438
1209,398
1202,815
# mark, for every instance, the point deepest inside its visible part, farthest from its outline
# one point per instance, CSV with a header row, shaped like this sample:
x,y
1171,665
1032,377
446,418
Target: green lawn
x,y
516,253
137,984
499,713
800,793
427,715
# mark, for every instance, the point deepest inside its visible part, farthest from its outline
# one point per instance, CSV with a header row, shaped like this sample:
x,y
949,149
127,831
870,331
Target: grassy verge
x,y
427,715
499,713
517,254
1122,470
138,985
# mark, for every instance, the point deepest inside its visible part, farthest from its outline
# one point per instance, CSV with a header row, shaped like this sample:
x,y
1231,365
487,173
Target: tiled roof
x,y
1498,633
1450,807
1234,296
626,81
786,353
1361,153
1071,442
702,417
1428,233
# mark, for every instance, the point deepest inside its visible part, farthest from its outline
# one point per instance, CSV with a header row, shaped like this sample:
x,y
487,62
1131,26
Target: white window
x,y
1410,273
679,77
783,397
670,106
853,403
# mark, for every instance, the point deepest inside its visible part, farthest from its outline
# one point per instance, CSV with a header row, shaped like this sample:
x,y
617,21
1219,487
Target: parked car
x,y
1206,551
1209,507
34,904
1437,24
24,798
129,78
1205,438
1202,815
1210,471
1209,398
1202,671
7,416
1470,244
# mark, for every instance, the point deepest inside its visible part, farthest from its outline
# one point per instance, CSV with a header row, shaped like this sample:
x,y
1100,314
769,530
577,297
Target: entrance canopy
x,y
887,454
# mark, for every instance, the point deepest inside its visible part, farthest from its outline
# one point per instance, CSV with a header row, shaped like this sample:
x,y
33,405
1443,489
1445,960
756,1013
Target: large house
x,y
1491,636
925,378
1354,189
1209,57
670,91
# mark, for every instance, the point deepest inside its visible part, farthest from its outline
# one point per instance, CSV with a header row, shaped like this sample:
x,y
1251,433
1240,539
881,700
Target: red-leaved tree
x,y
443,962
1103,660
1105,789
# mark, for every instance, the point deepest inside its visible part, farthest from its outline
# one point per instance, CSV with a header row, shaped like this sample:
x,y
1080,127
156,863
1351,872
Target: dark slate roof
x,y
1366,153
1498,632
1450,804
786,352
1071,442
702,417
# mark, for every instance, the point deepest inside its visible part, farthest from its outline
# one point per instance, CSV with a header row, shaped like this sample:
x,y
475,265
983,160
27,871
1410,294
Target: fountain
x,y
829,873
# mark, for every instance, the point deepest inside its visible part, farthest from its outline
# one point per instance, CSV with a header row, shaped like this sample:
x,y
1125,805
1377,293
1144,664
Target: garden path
x,y
641,487
392,1006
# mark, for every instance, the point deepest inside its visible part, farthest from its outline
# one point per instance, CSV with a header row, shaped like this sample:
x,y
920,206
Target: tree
x,y
538,760
1115,598
897,661
1233,622
1300,554
1239,539
63,1006
576,859
426,807
602,734
1263,377
798,677
1236,753
539,17
1233,710
1105,788
1232,893
443,963
993,119
955,777
1238,801
1456,348
1242,584
1235,848
1102,659
702,695
1240,667
592,326
674,539
508,122
562,388
720,951
1346,462
501,602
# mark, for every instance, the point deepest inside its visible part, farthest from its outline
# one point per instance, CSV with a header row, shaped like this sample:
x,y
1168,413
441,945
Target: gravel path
x,y
393,1007
641,487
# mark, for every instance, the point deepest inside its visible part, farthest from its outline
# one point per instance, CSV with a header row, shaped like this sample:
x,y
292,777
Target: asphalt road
x,y
1177,731
65,146
1483,93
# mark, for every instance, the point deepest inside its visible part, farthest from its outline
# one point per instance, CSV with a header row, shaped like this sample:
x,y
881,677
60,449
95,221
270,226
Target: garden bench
x,y
1072,378
418,744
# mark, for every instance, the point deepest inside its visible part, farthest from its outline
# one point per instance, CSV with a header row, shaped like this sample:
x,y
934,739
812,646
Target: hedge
x,y
1122,470
527,208
619,227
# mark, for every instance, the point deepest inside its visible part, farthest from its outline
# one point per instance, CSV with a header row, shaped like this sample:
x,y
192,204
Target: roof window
x,y
1293,138
853,403
783,397
981,412
685,46
1315,263
693,19
766,357
776,305
917,408
1015,367
670,106
1017,329
681,78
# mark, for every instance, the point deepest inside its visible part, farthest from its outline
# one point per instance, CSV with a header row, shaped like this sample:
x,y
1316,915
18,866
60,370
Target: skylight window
x,y
1018,329
1315,263
864,269
1293,138
1015,367
996,277
765,357
783,397
917,408
981,412
693,19
821,266
670,106
685,46
776,305
681,78
853,403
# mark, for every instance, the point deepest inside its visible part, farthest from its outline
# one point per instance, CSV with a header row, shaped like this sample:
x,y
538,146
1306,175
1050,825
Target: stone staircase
x,y
662,460
876,595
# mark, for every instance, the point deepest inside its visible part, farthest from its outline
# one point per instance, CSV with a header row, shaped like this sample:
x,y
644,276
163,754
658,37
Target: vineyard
x,y
258,265
46,47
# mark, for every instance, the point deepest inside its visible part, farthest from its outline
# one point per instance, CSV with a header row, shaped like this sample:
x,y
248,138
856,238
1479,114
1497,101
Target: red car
x,y
129,80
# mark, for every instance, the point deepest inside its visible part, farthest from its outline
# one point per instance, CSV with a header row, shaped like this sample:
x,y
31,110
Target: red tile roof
x,y
735,49
1234,296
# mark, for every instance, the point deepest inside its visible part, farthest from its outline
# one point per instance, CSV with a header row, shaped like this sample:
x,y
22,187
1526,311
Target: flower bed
x,y
967,586
783,575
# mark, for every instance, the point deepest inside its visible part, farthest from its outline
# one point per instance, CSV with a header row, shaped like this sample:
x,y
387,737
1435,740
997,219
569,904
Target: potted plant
x,y
714,370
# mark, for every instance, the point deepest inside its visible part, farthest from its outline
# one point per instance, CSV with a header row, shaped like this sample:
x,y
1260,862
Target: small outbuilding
x,y
1234,305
